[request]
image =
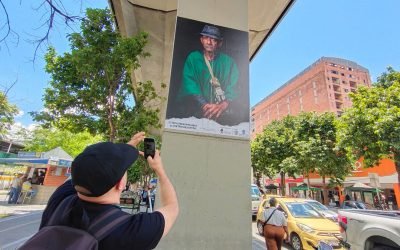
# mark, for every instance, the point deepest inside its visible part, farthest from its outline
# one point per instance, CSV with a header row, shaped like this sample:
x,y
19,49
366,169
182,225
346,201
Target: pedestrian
x,y
336,199
98,177
27,187
209,80
275,226
15,189
347,197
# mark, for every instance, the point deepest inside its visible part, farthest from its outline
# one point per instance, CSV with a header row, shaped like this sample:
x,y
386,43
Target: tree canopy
x,y
300,144
90,86
371,127
7,113
43,140
91,89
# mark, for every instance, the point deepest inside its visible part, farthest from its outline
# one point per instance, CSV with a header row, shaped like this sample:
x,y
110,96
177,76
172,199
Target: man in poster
x,y
209,80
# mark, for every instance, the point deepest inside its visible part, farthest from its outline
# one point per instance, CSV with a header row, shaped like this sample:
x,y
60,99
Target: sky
x,y
365,32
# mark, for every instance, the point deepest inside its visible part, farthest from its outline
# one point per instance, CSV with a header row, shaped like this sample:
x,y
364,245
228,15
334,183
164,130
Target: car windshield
x,y
302,210
255,191
317,206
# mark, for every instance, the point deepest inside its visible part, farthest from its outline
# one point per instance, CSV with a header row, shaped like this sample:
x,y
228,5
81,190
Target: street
x,y
16,229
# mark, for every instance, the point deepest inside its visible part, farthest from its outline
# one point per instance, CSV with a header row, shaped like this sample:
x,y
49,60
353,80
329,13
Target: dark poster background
x,y
235,45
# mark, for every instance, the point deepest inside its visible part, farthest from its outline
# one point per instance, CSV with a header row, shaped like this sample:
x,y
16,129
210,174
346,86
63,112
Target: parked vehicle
x,y
355,205
371,229
329,214
306,226
255,199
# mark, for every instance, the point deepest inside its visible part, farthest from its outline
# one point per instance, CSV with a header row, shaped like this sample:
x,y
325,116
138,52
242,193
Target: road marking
x,y
20,225
19,216
16,242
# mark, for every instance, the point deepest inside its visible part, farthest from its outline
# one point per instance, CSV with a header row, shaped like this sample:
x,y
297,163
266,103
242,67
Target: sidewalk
x,y
14,209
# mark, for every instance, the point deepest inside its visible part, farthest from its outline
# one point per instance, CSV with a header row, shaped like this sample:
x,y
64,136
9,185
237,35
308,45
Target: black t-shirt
x,y
141,231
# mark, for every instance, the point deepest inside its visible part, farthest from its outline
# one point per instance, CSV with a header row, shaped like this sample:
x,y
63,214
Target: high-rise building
x,y
321,87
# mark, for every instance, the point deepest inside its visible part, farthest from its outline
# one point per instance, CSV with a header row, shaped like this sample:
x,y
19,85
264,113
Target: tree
x,y
301,145
272,151
7,113
370,128
43,140
91,88
317,148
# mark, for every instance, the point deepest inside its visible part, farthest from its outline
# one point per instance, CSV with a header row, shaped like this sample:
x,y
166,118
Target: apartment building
x,y
323,86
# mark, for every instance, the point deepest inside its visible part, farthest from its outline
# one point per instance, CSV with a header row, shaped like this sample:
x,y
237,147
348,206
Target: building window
x,y
342,74
346,90
344,82
327,78
350,68
334,72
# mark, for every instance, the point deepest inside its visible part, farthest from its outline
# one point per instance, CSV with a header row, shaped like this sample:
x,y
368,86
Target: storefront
x,y
47,171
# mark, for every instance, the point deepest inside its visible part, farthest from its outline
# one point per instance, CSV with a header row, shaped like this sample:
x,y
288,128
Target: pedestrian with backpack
x,y
83,213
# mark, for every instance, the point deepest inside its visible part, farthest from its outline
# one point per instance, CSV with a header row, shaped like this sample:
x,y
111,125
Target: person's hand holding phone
x,y
136,139
155,163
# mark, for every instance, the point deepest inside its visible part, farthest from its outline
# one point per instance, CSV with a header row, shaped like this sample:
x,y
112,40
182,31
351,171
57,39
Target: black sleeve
x,y
59,195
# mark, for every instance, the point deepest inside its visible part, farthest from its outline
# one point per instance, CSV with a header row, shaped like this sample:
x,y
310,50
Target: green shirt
x,y
196,76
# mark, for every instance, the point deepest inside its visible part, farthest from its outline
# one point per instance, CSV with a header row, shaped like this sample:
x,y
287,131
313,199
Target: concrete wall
x,y
212,179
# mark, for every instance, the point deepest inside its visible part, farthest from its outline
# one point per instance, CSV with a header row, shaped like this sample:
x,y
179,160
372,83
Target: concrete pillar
x,y
211,172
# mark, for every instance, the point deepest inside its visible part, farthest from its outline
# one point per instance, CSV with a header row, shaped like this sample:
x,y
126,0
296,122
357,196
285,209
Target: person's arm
x,y
285,227
287,233
169,201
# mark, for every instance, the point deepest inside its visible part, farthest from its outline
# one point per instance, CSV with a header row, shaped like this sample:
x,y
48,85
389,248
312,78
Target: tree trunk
x,y
308,186
397,164
397,189
325,191
283,184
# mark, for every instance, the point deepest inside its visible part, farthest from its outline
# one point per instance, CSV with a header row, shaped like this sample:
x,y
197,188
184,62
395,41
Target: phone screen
x,y
149,147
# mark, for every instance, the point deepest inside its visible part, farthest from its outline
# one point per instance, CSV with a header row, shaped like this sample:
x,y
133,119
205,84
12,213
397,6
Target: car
x,y
306,226
356,205
322,209
255,199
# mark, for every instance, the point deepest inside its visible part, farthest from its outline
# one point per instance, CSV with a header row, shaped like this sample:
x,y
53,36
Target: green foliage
x,y
91,87
273,146
7,113
300,145
317,149
371,127
44,140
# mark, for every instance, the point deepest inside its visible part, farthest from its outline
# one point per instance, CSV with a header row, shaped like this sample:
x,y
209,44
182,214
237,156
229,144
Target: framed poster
x,y
209,87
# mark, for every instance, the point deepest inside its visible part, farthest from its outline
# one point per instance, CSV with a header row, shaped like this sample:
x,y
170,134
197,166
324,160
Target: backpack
x,y
54,236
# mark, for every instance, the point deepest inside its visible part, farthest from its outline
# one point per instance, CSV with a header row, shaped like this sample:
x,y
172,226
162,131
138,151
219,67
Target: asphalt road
x,y
16,229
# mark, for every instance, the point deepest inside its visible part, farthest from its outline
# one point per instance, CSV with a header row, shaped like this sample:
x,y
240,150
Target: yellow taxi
x,y
306,226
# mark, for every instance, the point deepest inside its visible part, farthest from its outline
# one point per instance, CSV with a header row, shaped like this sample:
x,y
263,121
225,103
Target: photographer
x,y
99,175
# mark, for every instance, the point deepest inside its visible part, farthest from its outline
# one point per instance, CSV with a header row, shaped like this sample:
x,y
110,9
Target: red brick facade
x,y
322,87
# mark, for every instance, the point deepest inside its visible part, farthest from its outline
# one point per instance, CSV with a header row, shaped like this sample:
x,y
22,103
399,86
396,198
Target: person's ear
x,y
120,184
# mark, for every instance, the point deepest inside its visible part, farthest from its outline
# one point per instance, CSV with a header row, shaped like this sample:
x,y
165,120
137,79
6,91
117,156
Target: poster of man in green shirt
x,y
209,80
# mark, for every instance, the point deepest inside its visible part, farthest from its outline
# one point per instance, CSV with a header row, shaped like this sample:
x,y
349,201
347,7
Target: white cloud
x,y
20,113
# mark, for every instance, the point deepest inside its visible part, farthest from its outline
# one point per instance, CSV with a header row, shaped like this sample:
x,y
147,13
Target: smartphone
x,y
149,147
